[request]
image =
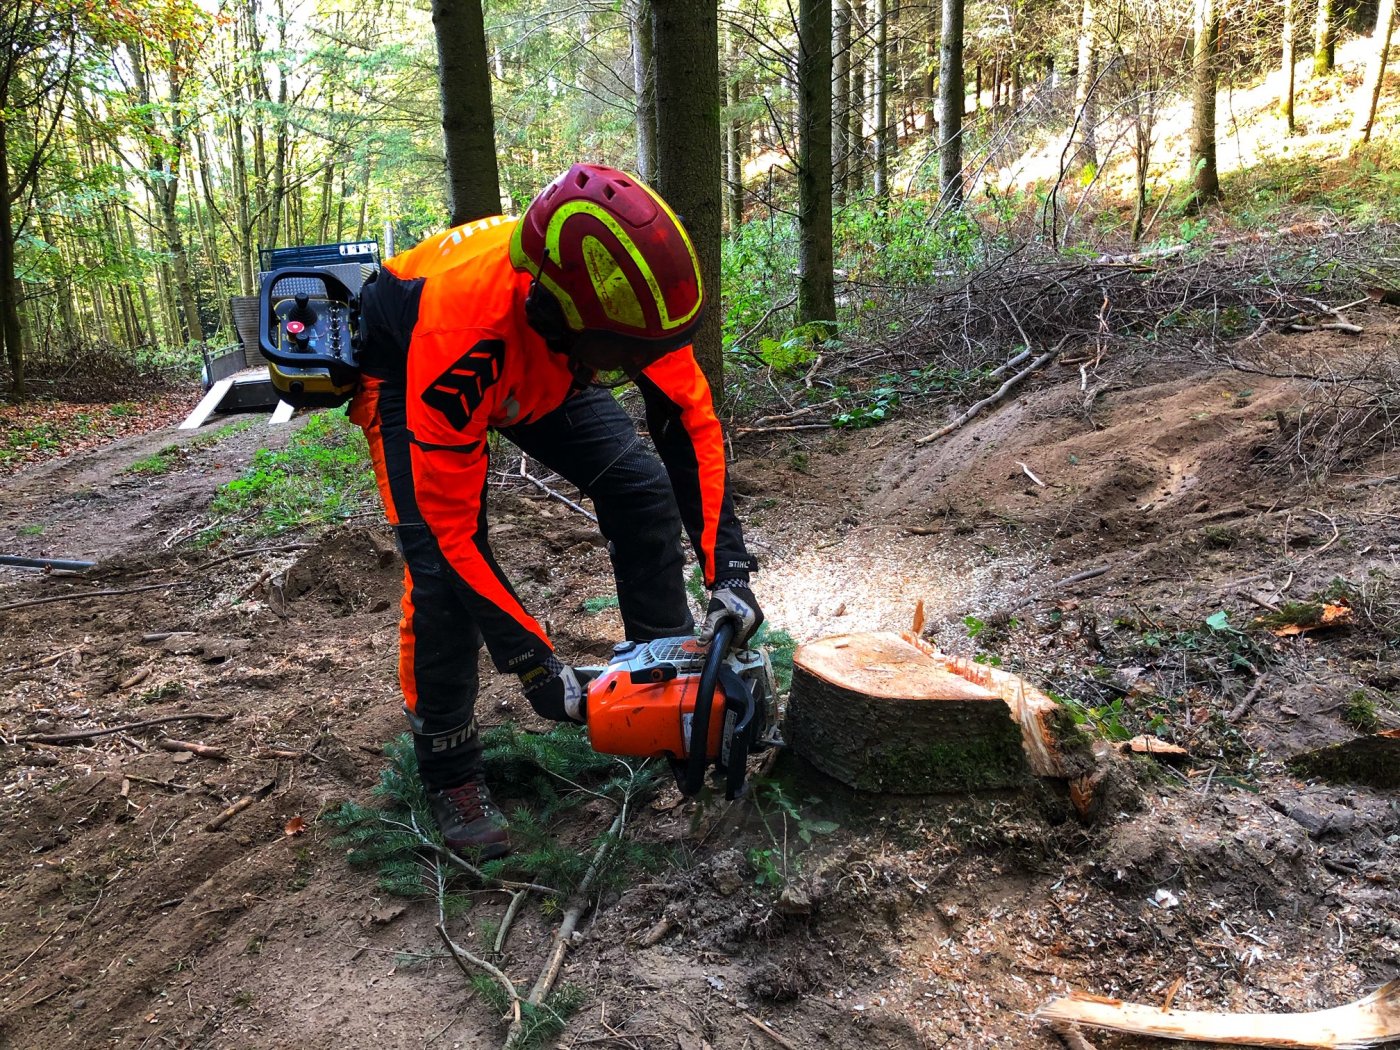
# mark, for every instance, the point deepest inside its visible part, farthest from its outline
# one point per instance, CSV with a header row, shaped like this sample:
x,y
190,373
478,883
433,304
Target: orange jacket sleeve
x,y
687,434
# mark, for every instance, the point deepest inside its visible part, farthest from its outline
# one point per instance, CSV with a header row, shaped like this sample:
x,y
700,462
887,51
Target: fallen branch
x,y
778,430
426,842
769,1032
657,933
202,750
512,909
1242,708
1364,1023
1005,388
554,962
788,416
88,734
556,495
239,806
77,595
461,956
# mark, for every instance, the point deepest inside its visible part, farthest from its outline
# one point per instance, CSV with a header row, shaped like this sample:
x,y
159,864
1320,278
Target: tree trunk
x,y
930,85
855,107
1084,94
816,293
1144,110
879,100
1289,62
1370,95
468,129
9,284
733,140
950,104
163,176
1204,76
242,214
63,285
644,86
841,86
1324,39
880,714
146,313
686,42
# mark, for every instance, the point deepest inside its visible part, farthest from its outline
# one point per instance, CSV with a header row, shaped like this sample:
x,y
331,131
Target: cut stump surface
x,y
880,712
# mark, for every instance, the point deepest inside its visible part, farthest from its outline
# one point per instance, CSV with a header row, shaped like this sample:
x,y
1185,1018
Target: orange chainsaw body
x,y
652,697
647,719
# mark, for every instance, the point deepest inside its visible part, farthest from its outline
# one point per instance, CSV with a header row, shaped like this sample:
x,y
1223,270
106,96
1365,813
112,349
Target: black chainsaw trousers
x,y
591,442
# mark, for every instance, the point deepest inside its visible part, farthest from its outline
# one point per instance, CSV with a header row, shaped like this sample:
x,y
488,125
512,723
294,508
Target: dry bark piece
x,y
1370,1021
1372,760
886,712
1160,749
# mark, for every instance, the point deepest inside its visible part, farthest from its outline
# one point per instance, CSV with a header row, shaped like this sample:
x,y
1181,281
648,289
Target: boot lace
x,y
471,800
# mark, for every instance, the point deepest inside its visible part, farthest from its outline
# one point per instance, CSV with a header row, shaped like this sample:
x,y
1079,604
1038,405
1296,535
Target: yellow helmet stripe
x,y
555,232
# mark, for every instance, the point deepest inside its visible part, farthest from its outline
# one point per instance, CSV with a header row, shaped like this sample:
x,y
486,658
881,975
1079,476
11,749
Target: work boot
x,y
471,825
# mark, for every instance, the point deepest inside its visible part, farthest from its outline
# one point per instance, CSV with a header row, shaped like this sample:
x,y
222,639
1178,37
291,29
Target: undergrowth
x,y
171,457
323,475
552,775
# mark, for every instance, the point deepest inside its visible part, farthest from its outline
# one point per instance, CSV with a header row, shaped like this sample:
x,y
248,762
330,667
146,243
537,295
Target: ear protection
x,y
544,314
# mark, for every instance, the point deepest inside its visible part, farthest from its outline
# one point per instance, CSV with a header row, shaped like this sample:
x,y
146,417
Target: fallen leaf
x,y
295,826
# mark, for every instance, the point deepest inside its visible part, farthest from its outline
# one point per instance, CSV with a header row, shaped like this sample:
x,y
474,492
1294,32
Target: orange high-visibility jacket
x,y
472,364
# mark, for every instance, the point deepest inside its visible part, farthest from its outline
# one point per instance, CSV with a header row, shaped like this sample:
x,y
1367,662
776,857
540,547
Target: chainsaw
x,y
692,704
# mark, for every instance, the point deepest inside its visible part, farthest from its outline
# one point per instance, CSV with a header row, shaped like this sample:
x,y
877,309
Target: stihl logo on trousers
x,y
458,391
454,739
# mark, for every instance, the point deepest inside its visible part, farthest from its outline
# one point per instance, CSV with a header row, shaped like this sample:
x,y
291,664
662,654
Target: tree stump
x,y
883,712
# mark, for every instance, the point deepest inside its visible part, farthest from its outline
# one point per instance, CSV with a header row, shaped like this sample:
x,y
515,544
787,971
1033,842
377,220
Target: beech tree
x,y
644,84
40,48
1085,94
1289,62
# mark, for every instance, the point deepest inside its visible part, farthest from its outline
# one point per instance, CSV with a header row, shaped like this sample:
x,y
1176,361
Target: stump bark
x,y
883,712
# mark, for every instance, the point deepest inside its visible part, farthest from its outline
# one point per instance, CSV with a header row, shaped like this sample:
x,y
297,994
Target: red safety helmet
x,y
621,274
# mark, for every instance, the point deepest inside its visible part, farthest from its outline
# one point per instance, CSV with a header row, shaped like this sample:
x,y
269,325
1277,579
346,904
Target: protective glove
x,y
554,691
732,600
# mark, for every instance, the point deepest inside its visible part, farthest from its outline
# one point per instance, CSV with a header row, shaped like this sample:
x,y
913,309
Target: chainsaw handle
x,y
699,757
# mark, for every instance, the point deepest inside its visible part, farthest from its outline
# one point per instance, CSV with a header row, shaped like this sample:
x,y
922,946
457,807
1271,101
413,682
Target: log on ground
x,y
881,713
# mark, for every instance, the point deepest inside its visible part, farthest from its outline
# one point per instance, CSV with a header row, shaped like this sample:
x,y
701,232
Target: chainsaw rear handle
x,y
699,757
341,366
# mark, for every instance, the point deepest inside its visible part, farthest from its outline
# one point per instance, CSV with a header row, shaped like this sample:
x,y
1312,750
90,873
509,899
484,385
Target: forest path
x,y
928,922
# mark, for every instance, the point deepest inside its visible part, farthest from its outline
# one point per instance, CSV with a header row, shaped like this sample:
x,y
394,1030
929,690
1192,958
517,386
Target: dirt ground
x,y
920,922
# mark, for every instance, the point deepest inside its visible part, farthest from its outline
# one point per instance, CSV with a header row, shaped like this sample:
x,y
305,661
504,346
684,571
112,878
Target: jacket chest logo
x,y
459,391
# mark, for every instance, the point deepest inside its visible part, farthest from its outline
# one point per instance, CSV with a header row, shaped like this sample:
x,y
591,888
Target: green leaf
x,y
1219,621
